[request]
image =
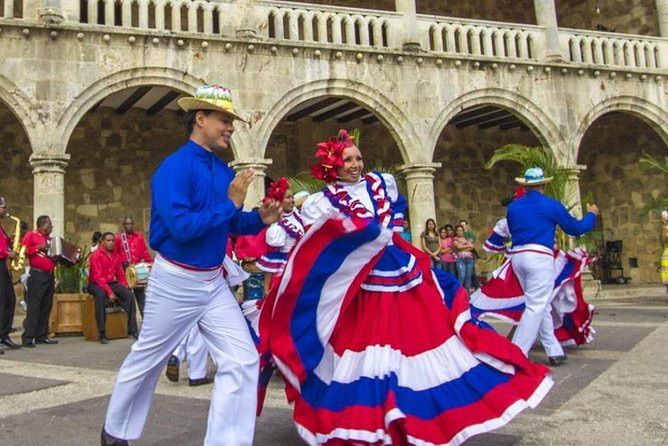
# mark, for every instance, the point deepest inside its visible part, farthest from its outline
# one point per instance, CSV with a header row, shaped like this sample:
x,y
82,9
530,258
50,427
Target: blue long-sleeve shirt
x,y
534,217
191,214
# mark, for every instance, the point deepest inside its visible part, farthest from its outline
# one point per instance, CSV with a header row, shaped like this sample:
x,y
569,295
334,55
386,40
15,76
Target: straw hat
x,y
534,176
211,97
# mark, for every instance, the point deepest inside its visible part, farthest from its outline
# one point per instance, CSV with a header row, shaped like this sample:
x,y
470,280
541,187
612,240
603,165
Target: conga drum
x,y
137,275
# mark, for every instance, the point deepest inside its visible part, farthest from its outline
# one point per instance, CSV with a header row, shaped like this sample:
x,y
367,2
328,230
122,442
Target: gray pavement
x,y
612,392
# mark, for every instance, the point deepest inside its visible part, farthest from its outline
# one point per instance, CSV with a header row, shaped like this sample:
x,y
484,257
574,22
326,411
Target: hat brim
x,y
524,182
191,103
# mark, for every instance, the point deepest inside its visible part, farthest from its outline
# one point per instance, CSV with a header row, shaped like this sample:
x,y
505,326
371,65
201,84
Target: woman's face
x,y
443,233
450,232
353,165
460,231
288,203
431,225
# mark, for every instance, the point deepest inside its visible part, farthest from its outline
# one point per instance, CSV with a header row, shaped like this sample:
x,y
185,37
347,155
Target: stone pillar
x,y
546,16
51,12
662,16
49,187
572,198
420,185
256,189
411,36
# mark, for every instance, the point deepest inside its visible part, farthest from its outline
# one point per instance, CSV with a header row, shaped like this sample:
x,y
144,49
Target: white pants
x,y
193,350
176,300
535,272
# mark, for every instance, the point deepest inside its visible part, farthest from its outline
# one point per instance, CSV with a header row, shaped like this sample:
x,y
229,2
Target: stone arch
x,y
20,105
650,113
122,80
533,116
396,122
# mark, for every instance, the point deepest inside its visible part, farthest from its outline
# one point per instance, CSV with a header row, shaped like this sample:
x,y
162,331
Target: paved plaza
x,y
613,392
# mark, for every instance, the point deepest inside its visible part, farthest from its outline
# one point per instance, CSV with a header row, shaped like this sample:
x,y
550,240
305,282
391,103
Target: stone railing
x,y
612,49
12,9
328,24
480,38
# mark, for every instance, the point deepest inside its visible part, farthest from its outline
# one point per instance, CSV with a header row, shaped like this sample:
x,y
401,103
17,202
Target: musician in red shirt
x,y
131,248
40,285
7,296
106,282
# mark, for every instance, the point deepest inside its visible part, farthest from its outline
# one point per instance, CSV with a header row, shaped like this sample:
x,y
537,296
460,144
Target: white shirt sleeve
x,y
275,236
391,186
501,228
315,206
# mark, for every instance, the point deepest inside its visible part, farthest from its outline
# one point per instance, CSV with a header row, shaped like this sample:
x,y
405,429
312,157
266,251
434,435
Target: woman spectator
x,y
447,234
463,251
430,242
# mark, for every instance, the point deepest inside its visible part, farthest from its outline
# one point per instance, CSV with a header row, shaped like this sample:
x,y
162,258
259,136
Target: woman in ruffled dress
x,y
374,345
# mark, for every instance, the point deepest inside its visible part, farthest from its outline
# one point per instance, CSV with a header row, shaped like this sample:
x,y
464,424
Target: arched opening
x,y
463,188
16,180
293,140
624,191
114,150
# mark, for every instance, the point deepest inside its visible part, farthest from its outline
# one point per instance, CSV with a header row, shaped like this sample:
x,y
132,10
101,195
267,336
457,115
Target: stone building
x,y
88,93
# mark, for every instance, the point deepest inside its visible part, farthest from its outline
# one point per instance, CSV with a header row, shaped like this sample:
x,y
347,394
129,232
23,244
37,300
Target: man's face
x,y
464,225
108,242
47,227
216,130
128,226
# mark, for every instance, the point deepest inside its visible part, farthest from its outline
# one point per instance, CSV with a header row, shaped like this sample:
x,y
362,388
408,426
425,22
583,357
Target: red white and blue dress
x,y
502,296
281,238
375,346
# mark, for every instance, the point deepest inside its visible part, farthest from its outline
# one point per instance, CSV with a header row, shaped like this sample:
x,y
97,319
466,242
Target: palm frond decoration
x,y
654,203
650,163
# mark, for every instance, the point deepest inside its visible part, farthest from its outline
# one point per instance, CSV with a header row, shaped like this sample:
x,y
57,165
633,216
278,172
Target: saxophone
x,y
19,261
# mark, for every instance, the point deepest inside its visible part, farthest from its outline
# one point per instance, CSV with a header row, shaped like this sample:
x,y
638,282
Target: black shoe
x,y
103,339
133,335
9,343
47,341
28,344
199,382
556,361
108,440
172,371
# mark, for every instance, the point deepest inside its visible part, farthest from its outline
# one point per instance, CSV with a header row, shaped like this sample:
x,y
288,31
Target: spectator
x,y
447,234
463,251
470,235
95,241
406,233
430,242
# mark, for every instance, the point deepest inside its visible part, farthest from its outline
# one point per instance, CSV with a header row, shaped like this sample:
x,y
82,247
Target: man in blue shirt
x,y
196,202
532,221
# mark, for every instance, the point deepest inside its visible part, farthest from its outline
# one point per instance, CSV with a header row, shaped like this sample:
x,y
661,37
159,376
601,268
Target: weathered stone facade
x,y
16,183
622,16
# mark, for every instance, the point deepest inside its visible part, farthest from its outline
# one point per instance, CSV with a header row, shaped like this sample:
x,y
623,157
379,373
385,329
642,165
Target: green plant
x,y
72,279
649,163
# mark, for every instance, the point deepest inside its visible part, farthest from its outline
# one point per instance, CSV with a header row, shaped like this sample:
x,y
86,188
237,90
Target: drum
x,y
137,275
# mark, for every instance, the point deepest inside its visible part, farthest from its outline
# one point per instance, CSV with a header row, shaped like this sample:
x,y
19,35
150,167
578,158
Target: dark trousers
x,y
125,298
449,267
7,300
140,295
39,299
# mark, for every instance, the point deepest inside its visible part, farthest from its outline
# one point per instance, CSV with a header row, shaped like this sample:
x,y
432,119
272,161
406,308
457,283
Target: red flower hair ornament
x,y
330,154
277,190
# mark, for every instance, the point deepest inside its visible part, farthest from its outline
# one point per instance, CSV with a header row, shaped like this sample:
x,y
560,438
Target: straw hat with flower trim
x,y
533,176
211,97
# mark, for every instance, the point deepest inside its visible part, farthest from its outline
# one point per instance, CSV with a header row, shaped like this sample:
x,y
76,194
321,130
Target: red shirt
x,y
5,244
38,259
138,249
105,268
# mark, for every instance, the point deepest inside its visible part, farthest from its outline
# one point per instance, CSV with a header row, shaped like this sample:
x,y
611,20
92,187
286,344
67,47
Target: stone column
x,y
420,185
51,12
49,187
411,36
662,16
572,198
546,16
256,189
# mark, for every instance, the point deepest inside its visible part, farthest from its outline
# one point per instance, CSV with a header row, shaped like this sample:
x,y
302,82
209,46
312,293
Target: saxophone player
x,y
7,296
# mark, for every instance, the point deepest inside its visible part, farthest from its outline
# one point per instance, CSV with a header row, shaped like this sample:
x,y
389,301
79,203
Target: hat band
x,y
222,103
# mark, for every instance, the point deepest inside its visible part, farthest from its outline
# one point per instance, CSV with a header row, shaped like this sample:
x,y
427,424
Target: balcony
x,y
354,29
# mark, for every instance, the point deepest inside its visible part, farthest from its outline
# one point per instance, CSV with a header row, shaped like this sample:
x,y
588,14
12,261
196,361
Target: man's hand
x,y
44,247
11,255
593,209
112,297
270,211
239,187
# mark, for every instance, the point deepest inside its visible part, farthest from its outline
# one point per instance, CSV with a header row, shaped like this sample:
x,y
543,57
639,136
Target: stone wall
x,y
622,16
611,149
16,183
499,10
464,189
112,159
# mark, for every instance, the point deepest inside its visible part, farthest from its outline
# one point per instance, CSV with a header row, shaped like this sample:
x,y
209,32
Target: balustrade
x,y
613,50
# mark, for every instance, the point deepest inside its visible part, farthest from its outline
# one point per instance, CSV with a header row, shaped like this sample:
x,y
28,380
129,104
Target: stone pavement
x,y
613,392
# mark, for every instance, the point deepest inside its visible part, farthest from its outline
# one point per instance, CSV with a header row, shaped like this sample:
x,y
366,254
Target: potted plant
x,y
66,312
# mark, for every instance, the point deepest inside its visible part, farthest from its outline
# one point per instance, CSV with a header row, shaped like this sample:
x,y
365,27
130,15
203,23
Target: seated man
x,y
107,281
